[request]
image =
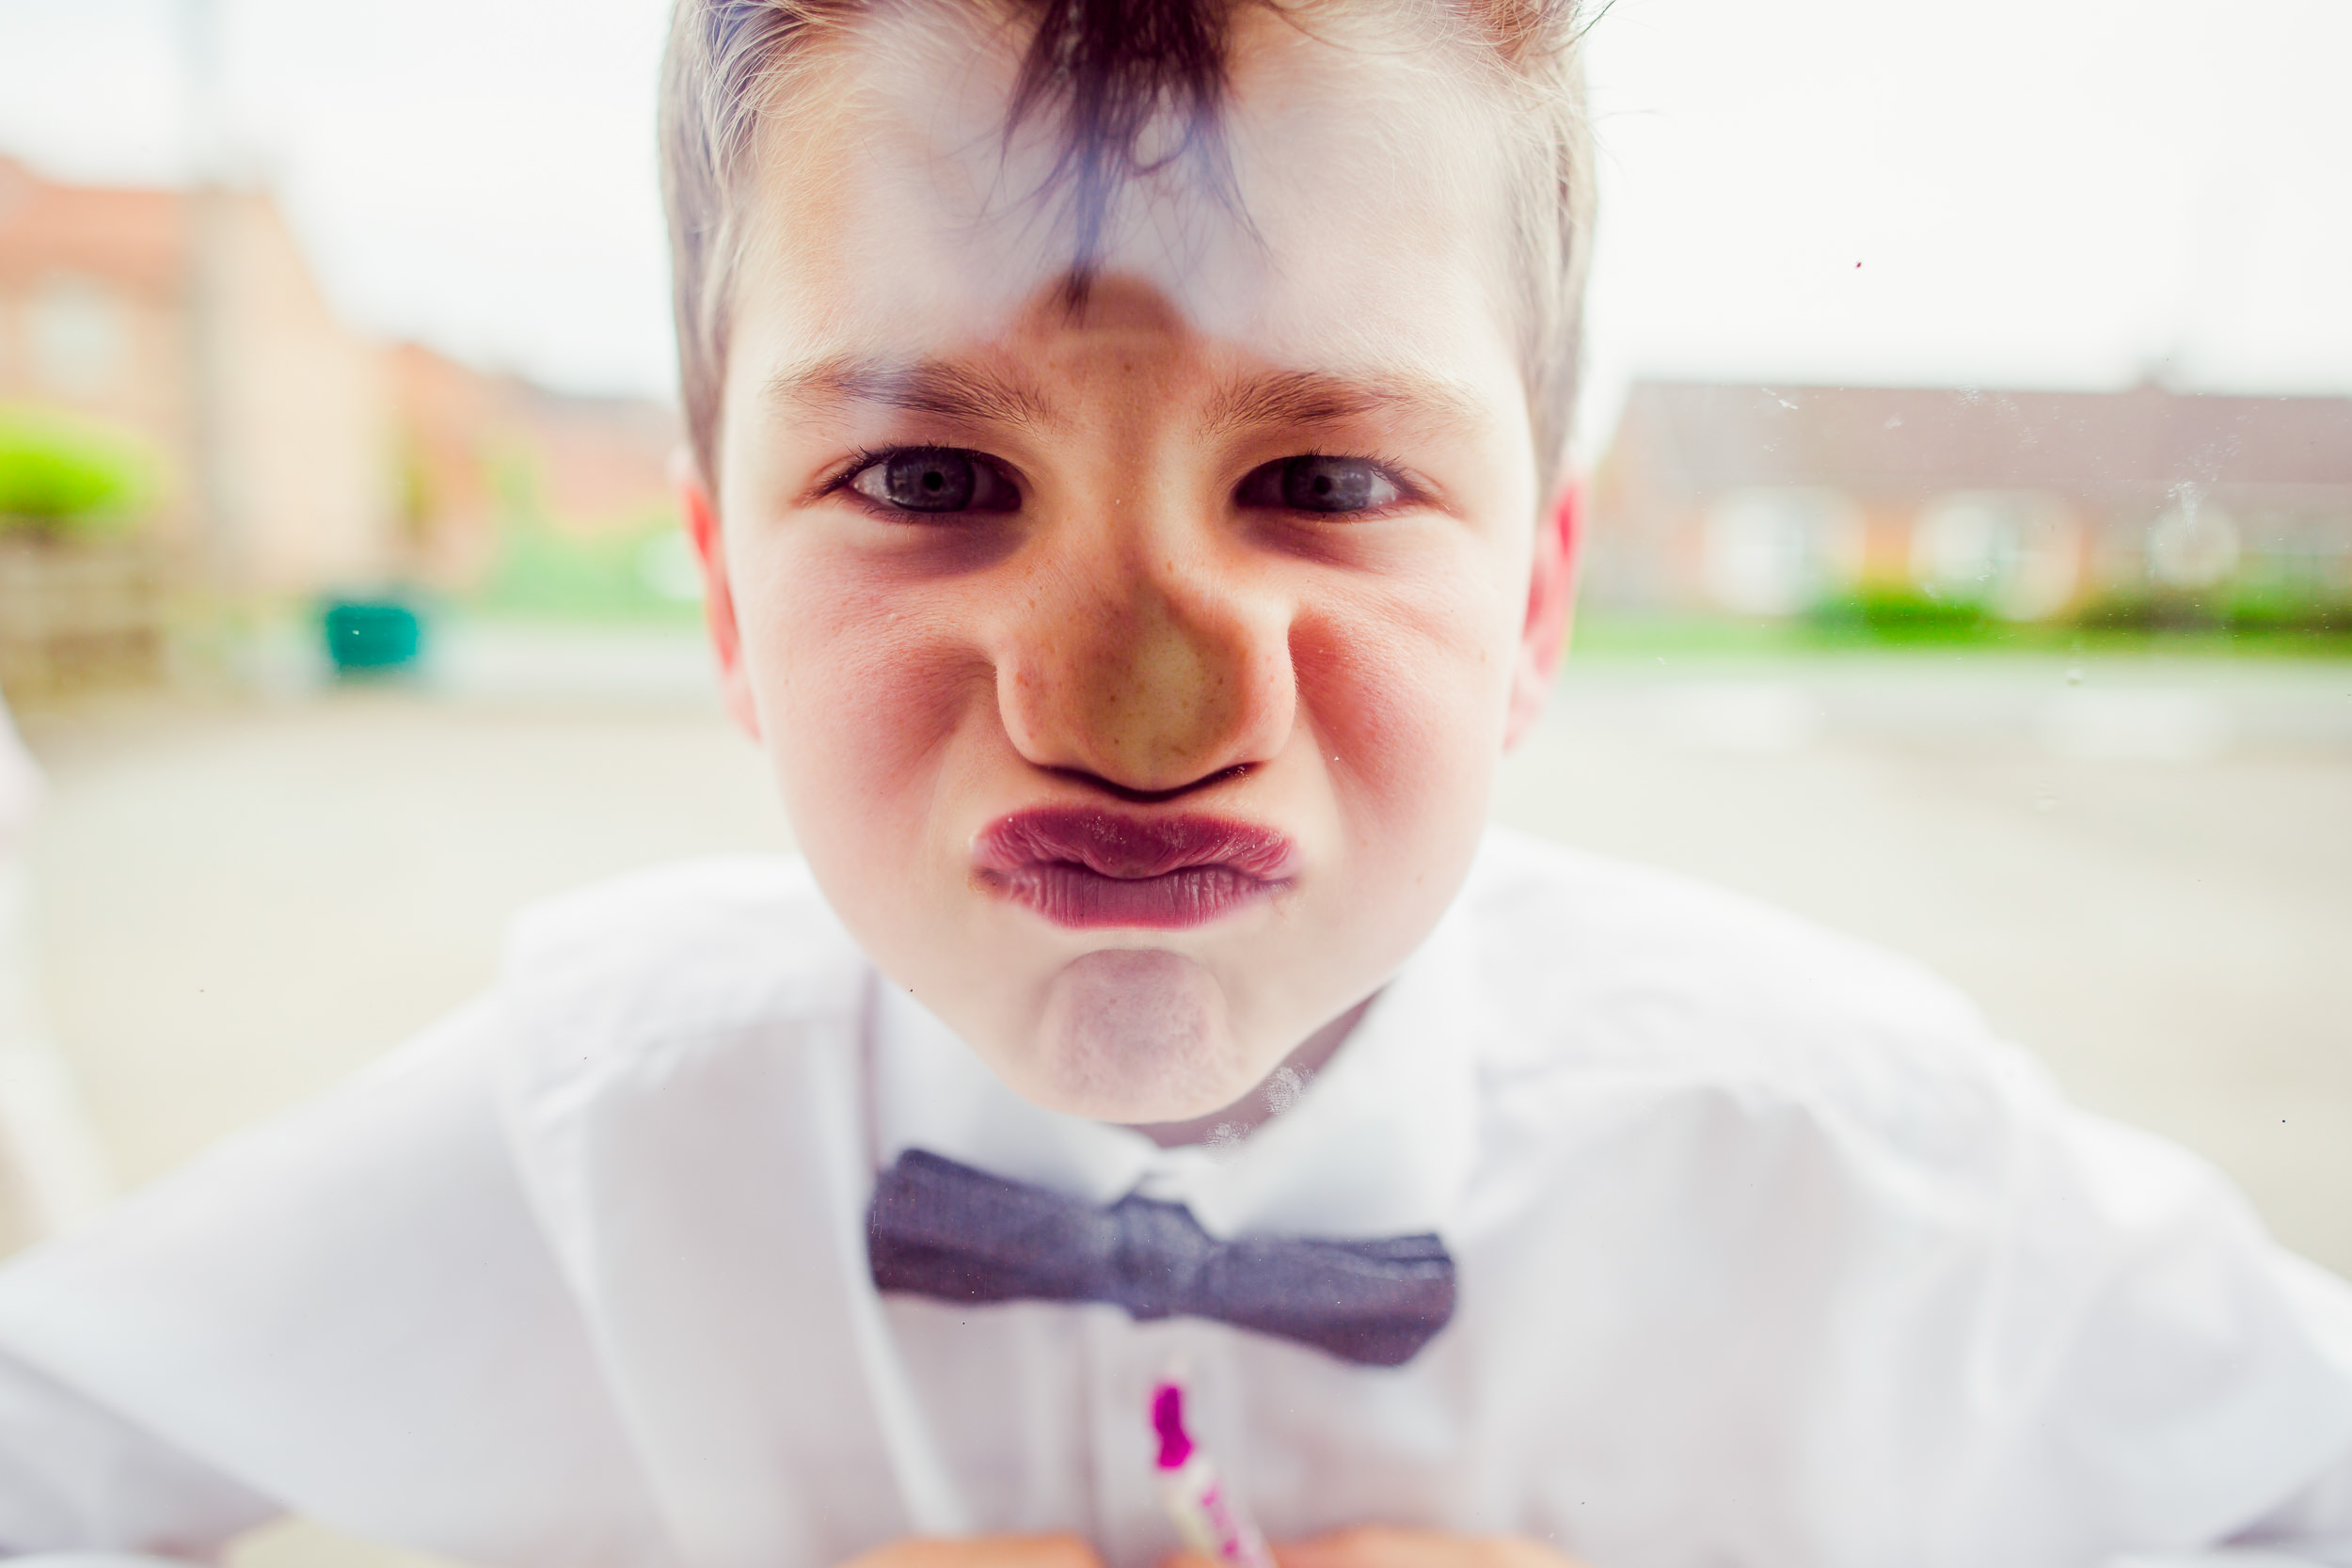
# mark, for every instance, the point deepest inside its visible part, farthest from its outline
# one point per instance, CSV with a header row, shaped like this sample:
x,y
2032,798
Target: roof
x,y
135,238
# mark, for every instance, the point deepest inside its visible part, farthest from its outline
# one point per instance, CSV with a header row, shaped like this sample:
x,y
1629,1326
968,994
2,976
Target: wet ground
x,y
2142,869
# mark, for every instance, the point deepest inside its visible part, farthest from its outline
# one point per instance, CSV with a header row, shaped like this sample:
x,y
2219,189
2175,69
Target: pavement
x,y
2142,868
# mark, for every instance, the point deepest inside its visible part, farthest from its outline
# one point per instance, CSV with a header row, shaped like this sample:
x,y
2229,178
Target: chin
x,y
1138,1036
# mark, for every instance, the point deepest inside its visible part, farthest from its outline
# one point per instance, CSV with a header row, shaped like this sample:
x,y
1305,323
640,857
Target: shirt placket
x,y
1127,1359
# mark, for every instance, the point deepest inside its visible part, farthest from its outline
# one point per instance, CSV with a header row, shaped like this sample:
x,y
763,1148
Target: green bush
x,y
2306,607
2150,612
63,479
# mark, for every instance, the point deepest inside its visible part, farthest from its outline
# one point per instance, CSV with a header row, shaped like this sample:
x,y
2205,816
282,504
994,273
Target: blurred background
x,y
1970,434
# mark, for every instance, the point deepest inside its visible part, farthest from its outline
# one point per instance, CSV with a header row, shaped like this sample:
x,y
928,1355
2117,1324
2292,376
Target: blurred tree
x,y
62,479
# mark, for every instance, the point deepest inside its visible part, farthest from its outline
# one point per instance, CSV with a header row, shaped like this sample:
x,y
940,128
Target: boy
x,y
1122,434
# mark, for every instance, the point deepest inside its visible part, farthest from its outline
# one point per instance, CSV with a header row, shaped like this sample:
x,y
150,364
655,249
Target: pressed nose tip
x,y
1150,703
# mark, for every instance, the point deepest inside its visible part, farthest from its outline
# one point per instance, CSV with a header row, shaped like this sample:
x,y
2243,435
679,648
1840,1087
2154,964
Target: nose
x,y
1148,665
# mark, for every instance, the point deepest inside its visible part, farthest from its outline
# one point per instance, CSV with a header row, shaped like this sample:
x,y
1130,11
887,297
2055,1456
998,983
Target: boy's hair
x,y
1108,69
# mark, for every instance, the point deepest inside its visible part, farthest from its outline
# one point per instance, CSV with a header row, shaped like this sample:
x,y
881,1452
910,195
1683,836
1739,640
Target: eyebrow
x,y
934,386
981,395
1314,397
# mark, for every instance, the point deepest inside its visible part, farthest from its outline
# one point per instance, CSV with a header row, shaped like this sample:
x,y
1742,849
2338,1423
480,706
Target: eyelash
x,y
1410,491
863,458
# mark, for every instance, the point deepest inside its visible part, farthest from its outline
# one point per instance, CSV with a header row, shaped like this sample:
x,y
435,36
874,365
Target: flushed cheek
x,y
865,770
1407,699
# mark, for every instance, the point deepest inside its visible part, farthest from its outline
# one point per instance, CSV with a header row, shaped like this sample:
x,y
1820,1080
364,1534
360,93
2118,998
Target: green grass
x,y
635,572
546,573
1849,630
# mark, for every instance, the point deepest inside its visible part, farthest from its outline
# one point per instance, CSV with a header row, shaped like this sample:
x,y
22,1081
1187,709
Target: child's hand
x,y
1381,1546
981,1551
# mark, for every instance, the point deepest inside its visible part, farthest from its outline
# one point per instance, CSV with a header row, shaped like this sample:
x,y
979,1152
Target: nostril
x,y
1151,797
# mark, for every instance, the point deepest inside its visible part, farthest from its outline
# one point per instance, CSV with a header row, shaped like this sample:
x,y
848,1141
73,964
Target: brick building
x,y
1769,500
295,456
192,322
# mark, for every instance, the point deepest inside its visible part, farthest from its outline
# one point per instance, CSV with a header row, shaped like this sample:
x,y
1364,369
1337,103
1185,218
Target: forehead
x,y
1355,225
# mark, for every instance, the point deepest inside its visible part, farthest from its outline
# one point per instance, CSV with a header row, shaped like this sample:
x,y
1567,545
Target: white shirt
x,y
1767,1256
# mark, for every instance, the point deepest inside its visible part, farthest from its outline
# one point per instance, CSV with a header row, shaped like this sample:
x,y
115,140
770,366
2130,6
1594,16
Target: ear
x,y
1550,600
700,515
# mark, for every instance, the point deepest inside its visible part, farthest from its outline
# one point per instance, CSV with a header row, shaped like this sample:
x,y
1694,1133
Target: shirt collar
x,y
1379,1144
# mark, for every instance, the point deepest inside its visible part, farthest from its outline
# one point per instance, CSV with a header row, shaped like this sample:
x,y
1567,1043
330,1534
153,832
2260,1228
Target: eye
x,y
935,478
1320,484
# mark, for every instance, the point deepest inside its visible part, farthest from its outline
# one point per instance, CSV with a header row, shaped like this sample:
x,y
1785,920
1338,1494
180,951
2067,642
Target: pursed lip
x,y
1083,866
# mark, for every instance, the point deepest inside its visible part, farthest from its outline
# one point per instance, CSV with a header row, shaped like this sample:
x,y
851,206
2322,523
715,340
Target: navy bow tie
x,y
938,1229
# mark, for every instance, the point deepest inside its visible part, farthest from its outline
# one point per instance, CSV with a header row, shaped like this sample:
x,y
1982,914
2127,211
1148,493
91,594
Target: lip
x,y
1084,867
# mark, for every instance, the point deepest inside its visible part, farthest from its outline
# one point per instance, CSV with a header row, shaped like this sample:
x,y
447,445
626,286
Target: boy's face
x,y
1136,673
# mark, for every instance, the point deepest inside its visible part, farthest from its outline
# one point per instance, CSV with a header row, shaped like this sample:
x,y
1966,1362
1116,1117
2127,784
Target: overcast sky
x,y
2030,192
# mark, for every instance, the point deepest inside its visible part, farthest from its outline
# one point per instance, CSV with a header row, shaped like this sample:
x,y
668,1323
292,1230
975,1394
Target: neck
x,y
1273,1095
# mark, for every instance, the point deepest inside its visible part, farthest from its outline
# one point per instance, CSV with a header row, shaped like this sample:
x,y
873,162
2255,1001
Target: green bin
x,y
371,635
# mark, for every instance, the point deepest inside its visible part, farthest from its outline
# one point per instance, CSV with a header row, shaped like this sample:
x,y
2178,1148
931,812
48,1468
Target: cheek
x,y
862,690
1406,693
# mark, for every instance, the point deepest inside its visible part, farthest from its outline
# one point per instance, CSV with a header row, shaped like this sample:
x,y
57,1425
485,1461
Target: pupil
x,y
933,481
1327,484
